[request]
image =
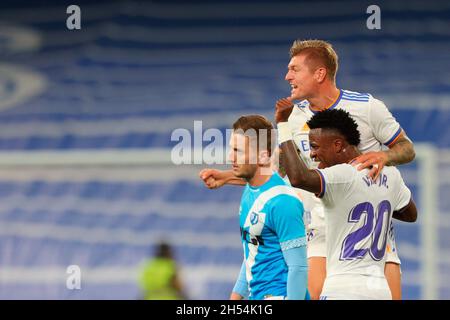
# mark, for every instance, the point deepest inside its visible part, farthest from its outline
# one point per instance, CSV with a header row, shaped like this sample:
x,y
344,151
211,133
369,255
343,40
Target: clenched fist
x,y
214,178
283,109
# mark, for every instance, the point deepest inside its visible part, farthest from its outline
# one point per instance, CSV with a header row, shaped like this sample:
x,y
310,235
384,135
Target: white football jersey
x,y
358,213
375,123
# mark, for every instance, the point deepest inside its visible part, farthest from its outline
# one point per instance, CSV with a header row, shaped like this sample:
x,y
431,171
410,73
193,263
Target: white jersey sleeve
x,y
384,126
335,182
403,194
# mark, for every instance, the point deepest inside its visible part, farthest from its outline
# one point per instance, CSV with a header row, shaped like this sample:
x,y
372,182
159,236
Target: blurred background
x,y
86,118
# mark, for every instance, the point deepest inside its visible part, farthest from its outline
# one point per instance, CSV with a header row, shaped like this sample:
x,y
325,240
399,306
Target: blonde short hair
x,y
318,52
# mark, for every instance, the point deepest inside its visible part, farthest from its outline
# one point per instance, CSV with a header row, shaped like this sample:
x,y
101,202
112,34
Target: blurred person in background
x,y
159,279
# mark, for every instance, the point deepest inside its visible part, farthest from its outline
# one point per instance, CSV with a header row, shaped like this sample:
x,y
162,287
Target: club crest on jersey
x,y
305,128
254,218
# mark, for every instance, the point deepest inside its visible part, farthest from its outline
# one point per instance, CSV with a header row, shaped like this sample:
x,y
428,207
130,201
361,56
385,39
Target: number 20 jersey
x,y
358,212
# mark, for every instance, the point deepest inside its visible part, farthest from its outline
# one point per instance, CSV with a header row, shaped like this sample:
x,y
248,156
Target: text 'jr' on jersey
x,y
358,213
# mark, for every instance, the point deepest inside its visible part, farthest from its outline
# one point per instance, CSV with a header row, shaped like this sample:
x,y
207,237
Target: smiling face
x,y
326,146
302,77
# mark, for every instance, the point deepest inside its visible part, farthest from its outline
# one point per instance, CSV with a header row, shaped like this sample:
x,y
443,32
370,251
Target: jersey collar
x,y
333,105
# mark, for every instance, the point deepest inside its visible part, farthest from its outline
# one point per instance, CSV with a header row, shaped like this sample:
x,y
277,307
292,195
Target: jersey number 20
x,y
375,225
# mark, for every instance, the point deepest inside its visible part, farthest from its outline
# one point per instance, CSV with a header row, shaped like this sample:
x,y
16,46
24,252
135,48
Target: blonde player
x,y
312,76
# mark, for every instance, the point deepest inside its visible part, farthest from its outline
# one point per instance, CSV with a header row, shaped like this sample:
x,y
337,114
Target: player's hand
x,y
283,109
213,178
236,296
376,160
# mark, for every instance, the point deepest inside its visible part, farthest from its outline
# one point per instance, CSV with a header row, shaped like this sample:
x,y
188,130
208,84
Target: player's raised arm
x,y
214,178
297,171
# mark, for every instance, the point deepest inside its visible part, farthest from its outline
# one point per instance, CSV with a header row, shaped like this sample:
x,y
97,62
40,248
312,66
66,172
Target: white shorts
x,y
317,246
355,287
391,247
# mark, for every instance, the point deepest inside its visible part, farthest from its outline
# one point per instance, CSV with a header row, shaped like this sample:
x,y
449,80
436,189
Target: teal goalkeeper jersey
x,y
271,221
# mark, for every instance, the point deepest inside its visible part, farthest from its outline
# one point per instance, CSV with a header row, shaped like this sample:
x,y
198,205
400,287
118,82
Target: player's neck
x,y
325,97
350,153
262,175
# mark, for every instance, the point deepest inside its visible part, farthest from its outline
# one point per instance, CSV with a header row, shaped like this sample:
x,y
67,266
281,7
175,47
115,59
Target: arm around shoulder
x,y
400,151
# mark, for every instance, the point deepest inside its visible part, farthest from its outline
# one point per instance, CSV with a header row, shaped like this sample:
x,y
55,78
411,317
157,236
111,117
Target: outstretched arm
x,y
214,178
298,173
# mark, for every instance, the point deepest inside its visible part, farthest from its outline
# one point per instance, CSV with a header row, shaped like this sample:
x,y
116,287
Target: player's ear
x,y
320,74
338,145
264,157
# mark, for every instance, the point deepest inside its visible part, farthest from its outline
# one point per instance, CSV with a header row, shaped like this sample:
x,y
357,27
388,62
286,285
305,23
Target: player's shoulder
x,y
284,204
276,186
360,98
392,177
362,105
392,171
348,95
341,167
340,173
280,192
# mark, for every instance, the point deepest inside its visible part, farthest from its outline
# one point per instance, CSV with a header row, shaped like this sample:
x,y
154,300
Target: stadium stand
x,y
135,72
